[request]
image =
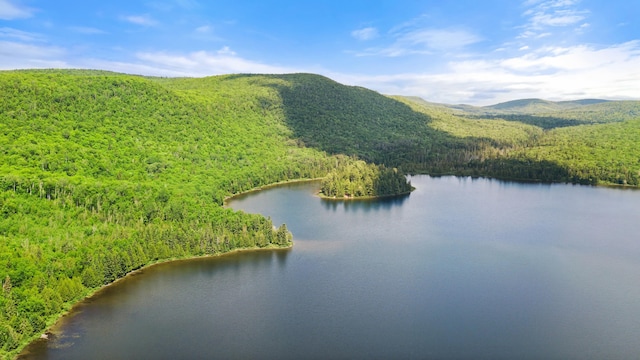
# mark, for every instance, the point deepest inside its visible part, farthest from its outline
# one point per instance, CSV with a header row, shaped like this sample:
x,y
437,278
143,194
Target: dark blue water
x,y
459,269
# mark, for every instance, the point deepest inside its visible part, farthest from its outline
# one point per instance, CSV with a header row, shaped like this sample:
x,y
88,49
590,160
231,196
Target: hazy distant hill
x,y
547,114
102,173
535,106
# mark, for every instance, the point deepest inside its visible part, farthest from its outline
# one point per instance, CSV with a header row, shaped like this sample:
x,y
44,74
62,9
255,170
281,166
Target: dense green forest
x,y
548,114
602,152
103,173
361,180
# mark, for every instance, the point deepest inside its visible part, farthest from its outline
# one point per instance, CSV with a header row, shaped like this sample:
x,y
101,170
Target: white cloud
x,y
15,55
226,51
545,14
440,39
198,63
557,18
206,33
142,20
424,41
11,11
555,73
364,34
416,36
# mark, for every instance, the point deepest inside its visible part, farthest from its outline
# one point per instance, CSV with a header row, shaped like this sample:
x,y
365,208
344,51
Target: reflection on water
x,y
135,309
365,205
461,268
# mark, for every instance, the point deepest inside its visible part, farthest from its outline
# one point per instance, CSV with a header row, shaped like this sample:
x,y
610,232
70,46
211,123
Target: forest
x,y
103,173
358,180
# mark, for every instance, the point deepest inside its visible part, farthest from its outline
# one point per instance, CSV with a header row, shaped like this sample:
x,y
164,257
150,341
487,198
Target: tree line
x,y
361,180
102,173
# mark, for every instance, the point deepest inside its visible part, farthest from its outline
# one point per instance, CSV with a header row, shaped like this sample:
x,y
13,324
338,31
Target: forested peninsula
x,y
103,173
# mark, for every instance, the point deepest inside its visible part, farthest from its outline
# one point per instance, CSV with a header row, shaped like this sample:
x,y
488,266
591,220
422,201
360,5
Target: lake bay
x,y
459,269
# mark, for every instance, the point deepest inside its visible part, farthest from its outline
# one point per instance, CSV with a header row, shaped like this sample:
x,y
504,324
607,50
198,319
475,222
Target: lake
x,y
461,268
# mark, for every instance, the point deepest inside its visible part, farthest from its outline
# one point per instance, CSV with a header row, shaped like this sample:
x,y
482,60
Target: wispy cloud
x,y
544,14
11,11
556,73
206,33
439,39
15,55
366,33
87,30
142,20
195,64
428,41
205,63
15,34
204,29
416,36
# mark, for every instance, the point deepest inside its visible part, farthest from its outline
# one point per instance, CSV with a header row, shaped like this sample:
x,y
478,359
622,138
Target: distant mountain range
x,y
545,113
533,106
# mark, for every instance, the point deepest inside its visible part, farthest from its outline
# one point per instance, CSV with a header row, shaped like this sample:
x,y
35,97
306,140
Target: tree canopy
x,y
102,173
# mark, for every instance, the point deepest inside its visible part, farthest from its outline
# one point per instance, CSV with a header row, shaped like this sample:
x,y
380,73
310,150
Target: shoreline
x,y
67,311
264,187
51,327
602,184
95,291
355,198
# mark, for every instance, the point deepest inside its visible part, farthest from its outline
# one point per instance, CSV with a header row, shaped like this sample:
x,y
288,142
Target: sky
x,y
450,51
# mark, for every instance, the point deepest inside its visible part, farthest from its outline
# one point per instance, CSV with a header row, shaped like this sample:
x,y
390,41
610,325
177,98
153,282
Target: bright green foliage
x,y
587,154
593,154
103,173
359,179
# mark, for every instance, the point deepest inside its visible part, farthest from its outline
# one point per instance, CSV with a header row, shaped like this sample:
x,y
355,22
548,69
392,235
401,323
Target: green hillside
x,y
597,143
592,154
548,114
535,106
103,173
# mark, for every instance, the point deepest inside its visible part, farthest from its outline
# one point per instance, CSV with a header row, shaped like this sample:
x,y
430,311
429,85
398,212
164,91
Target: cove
x,y
459,269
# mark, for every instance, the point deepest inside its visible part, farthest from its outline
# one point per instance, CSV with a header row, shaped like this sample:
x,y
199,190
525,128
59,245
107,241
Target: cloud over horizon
x,y
552,49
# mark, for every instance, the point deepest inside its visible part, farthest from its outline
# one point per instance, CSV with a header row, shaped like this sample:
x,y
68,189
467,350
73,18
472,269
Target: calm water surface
x,y
460,268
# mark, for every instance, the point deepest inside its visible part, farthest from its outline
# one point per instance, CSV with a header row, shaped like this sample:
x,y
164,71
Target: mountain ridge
x,y
103,173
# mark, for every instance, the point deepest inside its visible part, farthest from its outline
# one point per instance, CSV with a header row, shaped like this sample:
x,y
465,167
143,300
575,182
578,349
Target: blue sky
x,y
474,52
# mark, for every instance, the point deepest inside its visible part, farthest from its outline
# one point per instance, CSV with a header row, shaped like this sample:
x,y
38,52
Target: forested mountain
x,y
102,173
547,114
534,106
591,144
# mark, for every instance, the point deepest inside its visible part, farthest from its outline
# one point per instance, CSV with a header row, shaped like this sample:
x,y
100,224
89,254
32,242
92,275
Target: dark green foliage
x,y
548,114
103,173
582,151
352,120
359,179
